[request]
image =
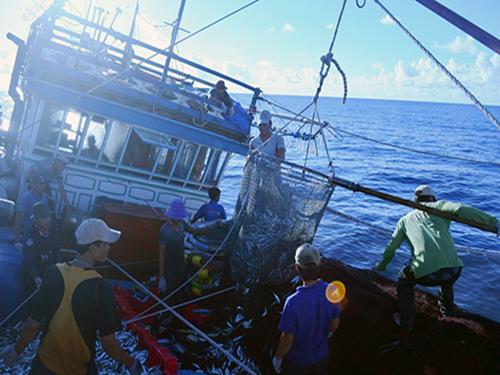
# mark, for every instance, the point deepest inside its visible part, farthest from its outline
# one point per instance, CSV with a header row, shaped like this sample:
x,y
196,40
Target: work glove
x,y
18,246
277,362
162,284
38,282
136,368
9,355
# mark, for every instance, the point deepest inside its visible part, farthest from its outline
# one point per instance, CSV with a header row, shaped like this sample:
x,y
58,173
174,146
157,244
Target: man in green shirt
x,y
434,259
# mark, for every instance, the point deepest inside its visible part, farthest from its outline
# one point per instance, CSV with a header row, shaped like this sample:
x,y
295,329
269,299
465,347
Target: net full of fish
x,y
279,207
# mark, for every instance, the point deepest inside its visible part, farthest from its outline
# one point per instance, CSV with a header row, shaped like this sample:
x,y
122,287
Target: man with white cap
x,y
267,142
434,260
75,304
308,320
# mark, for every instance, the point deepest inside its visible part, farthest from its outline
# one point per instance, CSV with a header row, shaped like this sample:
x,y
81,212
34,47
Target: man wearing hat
x,y
52,171
171,247
41,245
220,96
307,321
267,142
434,259
73,306
23,220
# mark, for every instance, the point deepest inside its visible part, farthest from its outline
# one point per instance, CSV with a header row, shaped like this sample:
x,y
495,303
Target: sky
x,y
277,44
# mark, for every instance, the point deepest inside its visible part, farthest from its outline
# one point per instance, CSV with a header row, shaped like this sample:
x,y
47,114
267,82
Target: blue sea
x,y
450,129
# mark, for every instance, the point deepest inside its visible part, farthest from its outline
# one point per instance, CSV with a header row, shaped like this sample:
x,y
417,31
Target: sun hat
x,y
424,190
265,117
220,85
177,210
306,255
92,230
39,210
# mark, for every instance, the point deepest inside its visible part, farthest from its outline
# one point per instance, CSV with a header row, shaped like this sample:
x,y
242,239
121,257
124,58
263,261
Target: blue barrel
x,y
12,289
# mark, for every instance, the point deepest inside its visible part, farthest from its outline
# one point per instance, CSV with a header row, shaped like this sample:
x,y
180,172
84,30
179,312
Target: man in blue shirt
x,y
308,320
212,210
23,221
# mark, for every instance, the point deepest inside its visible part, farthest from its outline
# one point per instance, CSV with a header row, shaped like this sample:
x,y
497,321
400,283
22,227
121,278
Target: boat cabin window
x,y
94,139
115,141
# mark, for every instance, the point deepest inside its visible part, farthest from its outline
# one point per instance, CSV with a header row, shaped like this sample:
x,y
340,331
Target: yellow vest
x,y
63,349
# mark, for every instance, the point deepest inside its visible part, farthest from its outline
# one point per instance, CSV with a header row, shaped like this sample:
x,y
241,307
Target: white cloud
x,y
461,45
387,20
288,28
330,26
272,28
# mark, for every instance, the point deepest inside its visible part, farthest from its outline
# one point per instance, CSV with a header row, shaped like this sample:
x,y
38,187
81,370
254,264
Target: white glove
x,y
38,282
277,362
162,285
9,355
136,368
18,246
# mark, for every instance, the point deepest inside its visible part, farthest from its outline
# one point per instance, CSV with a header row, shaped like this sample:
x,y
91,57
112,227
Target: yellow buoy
x,y
196,291
335,292
203,275
197,260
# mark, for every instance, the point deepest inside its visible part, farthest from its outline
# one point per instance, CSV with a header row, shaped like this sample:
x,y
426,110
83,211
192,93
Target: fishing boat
x,y
137,133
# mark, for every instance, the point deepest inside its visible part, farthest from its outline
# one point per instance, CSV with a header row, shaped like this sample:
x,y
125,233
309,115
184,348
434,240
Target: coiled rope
x,y
455,80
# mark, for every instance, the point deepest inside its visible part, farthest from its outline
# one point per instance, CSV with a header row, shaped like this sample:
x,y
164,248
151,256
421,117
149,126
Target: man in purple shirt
x,y
308,320
212,210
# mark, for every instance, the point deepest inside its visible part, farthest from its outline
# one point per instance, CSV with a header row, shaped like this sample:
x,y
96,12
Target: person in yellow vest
x,y
73,306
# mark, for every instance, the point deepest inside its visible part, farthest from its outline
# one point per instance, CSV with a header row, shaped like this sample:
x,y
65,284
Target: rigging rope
x,y
455,80
386,231
429,153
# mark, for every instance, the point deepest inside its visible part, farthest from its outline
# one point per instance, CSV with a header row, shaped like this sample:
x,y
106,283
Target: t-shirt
x,y
307,315
89,310
429,238
174,255
210,211
28,199
270,147
39,252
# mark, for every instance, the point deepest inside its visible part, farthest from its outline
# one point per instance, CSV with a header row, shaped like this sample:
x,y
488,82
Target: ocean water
x,y
450,129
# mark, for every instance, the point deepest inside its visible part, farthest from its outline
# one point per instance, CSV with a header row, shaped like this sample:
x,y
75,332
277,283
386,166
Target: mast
x,y
128,53
173,39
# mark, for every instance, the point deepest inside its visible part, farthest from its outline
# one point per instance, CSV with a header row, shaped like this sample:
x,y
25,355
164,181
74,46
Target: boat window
x,y
115,141
200,164
52,132
185,160
140,154
210,173
94,139
167,157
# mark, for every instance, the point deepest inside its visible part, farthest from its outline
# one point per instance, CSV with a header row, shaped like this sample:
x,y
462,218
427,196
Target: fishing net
x,y
279,207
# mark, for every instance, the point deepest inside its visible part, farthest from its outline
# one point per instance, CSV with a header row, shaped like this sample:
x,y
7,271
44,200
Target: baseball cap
x,y
40,210
424,190
92,230
307,254
265,117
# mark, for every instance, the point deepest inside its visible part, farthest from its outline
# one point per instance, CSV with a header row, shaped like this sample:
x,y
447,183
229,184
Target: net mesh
x,y
279,207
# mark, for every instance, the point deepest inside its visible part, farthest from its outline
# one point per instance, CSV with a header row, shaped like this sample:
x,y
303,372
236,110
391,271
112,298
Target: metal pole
x,y
18,308
173,39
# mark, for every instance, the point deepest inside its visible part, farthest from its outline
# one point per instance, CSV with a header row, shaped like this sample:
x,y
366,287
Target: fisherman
x,y
171,246
308,320
434,258
75,304
213,210
41,246
220,96
51,170
23,221
267,142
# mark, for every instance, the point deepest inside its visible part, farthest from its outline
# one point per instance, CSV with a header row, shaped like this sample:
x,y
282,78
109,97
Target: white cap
x,y
424,190
92,230
265,117
307,254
